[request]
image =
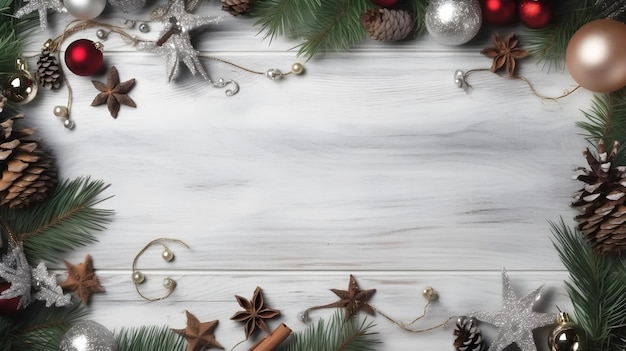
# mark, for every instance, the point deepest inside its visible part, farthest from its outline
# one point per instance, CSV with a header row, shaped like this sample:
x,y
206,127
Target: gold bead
x,y
297,68
429,294
167,255
61,111
138,277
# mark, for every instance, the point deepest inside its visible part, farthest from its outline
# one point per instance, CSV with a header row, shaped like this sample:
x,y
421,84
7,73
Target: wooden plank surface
x,y
372,163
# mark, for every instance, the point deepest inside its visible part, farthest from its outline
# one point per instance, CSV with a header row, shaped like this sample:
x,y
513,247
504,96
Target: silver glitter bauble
x,y
128,6
85,9
88,336
453,22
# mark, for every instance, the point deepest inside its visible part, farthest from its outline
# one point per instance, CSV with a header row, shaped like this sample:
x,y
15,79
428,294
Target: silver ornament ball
x,y
19,87
453,22
85,9
88,336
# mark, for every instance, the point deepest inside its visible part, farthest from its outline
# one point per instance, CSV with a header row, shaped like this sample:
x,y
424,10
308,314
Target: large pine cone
x,y
387,25
237,7
49,74
601,201
28,172
468,336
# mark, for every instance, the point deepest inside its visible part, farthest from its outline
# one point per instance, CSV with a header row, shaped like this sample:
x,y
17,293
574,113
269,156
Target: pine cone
x,y
49,74
601,201
468,335
387,25
28,172
237,7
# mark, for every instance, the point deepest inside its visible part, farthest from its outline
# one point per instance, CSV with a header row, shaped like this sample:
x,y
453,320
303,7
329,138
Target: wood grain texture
x,y
372,163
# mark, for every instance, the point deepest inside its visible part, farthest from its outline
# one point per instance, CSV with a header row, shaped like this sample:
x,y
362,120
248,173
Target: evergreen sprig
x,y
338,334
67,220
38,327
597,288
607,120
153,338
549,44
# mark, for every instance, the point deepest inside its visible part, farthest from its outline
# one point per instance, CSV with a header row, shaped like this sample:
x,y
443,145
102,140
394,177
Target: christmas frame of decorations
x,y
42,217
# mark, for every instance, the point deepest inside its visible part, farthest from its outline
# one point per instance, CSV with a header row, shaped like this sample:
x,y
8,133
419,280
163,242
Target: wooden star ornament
x,y
199,336
353,300
114,93
255,313
82,279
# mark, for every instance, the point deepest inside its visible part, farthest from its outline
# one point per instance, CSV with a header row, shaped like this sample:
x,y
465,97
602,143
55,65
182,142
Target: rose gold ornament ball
x,y
596,56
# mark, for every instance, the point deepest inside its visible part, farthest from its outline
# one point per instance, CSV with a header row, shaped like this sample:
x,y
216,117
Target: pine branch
x,y
67,220
338,334
418,9
597,287
607,120
550,43
284,17
151,338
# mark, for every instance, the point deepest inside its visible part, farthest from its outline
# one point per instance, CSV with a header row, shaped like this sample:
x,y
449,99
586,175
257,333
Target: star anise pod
x,y
82,279
504,52
255,313
113,93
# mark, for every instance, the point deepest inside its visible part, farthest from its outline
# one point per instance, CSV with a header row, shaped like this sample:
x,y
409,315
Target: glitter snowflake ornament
x,y
516,320
174,41
15,269
42,7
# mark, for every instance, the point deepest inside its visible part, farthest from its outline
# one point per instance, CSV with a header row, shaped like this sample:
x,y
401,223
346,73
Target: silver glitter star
x,y
516,320
175,41
42,6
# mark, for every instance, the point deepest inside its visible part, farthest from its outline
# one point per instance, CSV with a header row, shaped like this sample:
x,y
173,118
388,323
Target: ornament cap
x,y
563,318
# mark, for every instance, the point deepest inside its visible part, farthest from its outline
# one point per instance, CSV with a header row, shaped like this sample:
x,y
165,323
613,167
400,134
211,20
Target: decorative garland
x,y
41,220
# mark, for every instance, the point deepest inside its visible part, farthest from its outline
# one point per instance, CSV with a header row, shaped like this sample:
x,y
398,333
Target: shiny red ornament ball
x,y
384,3
499,12
8,307
535,14
83,57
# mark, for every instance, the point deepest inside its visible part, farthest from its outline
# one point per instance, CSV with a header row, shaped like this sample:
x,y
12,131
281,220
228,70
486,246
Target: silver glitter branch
x,y
612,8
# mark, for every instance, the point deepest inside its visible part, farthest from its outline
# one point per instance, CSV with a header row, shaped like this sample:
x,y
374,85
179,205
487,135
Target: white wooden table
x,y
372,163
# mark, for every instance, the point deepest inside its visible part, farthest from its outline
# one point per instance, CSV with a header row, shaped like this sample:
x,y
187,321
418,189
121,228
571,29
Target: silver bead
x,y
102,34
61,111
144,28
303,317
273,74
167,255
169,283
459,78
68,123
138,277
297,68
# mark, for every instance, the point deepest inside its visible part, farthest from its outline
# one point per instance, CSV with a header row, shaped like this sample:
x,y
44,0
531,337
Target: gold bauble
x,y
596,56
566,336
19,87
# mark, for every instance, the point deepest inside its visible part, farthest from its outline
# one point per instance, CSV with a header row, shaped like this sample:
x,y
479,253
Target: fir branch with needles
x,y
67,220
606,120
283,17
338,334
597,288
153,338
549,44
38,327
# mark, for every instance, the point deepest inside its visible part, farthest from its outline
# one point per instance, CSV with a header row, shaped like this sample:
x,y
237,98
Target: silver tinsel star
x,y
516,320
42,6
175,41
15,269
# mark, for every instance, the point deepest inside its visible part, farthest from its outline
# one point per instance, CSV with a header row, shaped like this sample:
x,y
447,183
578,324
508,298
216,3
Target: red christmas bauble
x,y
384,3
8,307
83,57
499,12
535,13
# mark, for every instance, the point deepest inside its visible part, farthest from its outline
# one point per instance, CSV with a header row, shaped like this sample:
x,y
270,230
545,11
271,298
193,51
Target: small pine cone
x,y
28,172
468,336
601,202
387,25
49,74
237,7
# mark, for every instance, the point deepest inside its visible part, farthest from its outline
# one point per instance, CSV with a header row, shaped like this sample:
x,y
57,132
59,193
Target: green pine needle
x,y
39,327
67,220
607,120
597,288
418,10
283,17
549,44
153,338
338,334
